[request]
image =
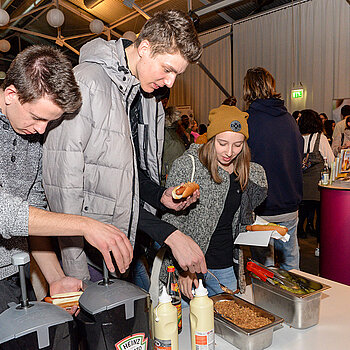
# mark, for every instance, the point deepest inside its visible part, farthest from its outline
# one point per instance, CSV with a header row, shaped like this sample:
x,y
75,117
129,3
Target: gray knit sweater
x,y
200,221
20,185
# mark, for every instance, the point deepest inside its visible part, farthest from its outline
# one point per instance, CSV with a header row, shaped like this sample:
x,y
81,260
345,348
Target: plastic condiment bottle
x,y
173,290
165,324
202,320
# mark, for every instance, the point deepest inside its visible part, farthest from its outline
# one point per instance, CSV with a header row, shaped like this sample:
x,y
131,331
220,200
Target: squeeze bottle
x,y
173,290
165,324
202,320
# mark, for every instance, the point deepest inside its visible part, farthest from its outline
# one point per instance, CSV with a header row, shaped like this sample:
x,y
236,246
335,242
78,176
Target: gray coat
x,y
89,164
200,221
20,186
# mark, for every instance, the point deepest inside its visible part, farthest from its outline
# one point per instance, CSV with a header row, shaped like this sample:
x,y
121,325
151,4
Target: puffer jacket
x,y
201,220
89,164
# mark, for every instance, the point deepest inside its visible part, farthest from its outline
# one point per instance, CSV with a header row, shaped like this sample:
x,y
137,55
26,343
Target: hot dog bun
x,y
65,300
185,190
282,230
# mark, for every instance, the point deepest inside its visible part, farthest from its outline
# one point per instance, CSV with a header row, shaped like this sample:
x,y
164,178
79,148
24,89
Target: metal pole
x,y
211,76
24,301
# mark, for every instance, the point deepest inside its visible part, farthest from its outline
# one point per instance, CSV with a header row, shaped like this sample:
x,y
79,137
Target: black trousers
x,y
10,289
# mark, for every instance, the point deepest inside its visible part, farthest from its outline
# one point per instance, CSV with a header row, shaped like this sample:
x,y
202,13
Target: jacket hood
x,y
110,55
193,149
274,106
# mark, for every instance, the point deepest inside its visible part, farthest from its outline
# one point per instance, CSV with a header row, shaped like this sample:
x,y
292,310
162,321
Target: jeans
x,y
287,252
140,275
226,277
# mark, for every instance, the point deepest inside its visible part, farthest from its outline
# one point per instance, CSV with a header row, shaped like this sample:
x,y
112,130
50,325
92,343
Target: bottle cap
x,y
164,297
171,268
201,291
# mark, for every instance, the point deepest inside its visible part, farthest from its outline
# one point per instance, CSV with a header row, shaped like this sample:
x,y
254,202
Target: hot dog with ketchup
x,y
282,230
185,190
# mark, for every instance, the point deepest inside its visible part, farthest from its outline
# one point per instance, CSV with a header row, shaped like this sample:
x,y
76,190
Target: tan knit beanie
x,y
227,118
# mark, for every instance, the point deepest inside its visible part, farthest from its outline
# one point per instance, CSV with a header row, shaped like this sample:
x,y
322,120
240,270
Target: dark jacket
x,y
277,145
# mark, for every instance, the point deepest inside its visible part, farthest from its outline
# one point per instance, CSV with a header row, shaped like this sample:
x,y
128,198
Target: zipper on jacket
x,y
133,165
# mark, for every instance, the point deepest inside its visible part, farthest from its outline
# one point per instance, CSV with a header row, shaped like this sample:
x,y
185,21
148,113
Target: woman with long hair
x,y
276,144
230,188
317,145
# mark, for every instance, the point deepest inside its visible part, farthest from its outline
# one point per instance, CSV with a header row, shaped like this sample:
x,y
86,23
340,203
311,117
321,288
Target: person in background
x,y
202,138
340,126
230,101
342,141
194,130
276,144
323,117
231,187
184,131
296,115
111,151
173,145
40,88
329,126
316,143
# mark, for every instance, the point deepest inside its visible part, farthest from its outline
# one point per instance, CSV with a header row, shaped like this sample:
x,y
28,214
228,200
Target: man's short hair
x,y
172,31
44,71
259,84
345,111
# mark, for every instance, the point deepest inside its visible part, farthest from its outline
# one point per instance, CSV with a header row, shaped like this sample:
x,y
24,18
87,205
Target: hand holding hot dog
x,y
178,204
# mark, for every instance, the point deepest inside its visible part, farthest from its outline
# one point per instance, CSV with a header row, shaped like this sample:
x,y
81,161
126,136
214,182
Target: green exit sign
x,y
297,93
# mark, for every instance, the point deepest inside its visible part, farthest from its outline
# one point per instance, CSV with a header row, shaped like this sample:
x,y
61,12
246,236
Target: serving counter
x,y
332,331
335,233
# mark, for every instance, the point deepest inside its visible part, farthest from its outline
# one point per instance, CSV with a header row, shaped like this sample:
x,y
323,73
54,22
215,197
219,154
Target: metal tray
x,y
298,311
244,338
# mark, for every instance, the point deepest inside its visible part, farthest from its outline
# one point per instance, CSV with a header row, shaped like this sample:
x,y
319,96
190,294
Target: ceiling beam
x,y
85,16
33,33
214,6
222,15
134,14
14,19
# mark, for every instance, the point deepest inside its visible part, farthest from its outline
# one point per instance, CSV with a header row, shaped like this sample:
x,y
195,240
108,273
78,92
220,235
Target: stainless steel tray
x,y
244,338
298,311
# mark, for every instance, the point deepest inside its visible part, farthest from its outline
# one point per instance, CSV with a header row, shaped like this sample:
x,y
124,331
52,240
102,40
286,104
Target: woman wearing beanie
x,y
230,186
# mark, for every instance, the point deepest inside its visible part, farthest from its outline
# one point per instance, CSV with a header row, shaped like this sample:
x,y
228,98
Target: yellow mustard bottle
x,y
165,324
202,320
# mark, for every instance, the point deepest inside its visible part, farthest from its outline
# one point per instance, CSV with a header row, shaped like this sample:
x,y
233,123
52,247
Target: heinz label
x,y
133,342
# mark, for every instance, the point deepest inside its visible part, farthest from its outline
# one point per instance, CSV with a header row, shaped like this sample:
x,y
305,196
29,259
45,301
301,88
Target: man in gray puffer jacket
x,y
109,156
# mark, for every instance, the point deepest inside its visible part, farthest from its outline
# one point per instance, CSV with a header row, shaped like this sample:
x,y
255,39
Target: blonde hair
x,y
208,157
259,84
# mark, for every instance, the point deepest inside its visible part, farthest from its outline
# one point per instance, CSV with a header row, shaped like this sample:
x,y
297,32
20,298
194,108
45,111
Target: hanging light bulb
x,y
55,17
2,75
96,26
129,35
4,45
4,18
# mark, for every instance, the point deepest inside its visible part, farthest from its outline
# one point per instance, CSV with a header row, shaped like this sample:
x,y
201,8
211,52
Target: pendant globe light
x,y
130,35
96,26
4,18
55,18
5,45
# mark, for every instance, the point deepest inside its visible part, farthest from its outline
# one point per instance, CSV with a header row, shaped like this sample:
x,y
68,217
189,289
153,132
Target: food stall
x,y
335,232
332,331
